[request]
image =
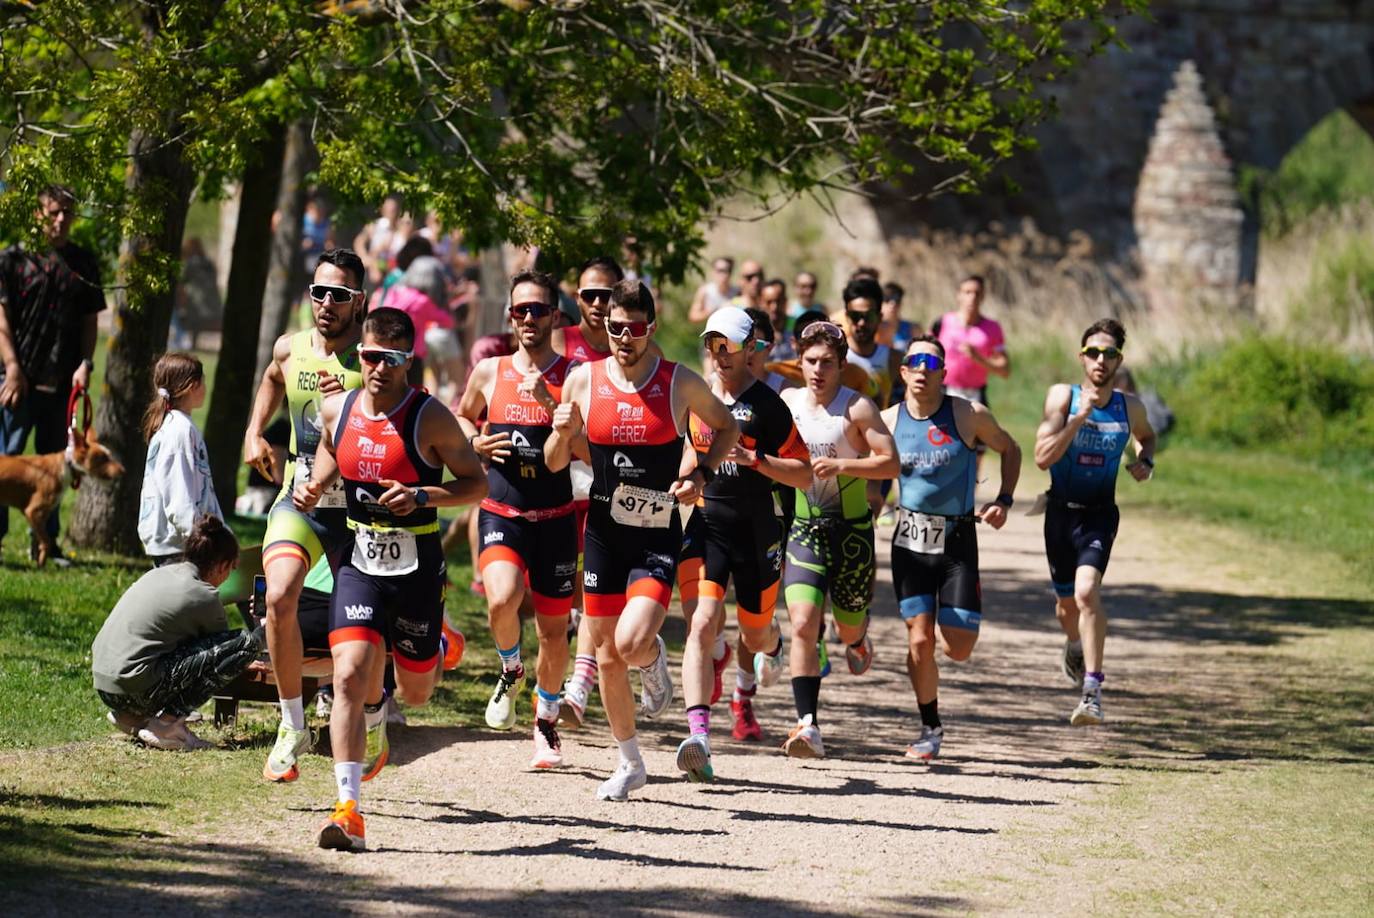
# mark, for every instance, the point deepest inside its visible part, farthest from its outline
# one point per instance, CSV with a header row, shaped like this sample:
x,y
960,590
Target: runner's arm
x,y
1146,440
785,458
881,461
440,429
698,399
1057,429
567,421
256,450
988,431
474,399
697,311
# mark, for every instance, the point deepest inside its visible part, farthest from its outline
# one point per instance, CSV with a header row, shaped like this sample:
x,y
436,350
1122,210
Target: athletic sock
x,y
1092,682
699,719
584,672
930,713
348,776
777,651
293,712
742,694
547,706
374,714
510,659
718,649
745,681
629,750
806,692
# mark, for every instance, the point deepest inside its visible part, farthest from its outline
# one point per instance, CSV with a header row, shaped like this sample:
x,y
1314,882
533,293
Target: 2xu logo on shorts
x,y
358,613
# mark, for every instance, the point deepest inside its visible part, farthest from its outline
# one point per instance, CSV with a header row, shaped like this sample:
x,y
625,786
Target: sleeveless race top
x,y
823,431
523,481
632,436
1086,473
303,408
877,366
576,347
765,425
938,468
371,449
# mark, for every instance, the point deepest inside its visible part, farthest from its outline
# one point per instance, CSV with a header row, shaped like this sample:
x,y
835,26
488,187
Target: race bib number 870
x,y
919,533
642,507
385,552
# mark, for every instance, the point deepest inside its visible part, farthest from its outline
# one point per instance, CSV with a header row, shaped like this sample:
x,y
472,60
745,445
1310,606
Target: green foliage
x,y
1333,165
1342,285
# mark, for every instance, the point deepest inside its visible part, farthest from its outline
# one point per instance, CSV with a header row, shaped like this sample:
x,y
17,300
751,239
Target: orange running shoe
x,y
343,831
453,652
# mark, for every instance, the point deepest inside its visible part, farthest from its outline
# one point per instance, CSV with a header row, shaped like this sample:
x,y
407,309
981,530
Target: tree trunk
x,y
235,383
286,273
159,183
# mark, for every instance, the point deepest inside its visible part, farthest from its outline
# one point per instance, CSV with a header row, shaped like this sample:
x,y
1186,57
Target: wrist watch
x,y
421,497
1006,500
1150,463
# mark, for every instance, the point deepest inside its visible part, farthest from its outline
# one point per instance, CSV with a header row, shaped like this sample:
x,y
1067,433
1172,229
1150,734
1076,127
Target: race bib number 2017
x,y
385,552
642,507
919,533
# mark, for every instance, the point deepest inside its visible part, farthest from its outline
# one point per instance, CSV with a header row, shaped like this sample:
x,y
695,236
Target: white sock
x,y
744,679
718,650
629,750
1091,685
348,776
293,712
373,718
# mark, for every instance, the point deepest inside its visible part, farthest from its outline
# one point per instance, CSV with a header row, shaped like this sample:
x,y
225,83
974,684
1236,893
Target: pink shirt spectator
x,y
984,337
422,312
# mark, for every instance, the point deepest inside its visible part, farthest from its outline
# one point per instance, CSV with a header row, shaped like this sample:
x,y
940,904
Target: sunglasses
x,y
591,295
920,361
1092,353
762,344
321,292
822,330
635,329
392,358
721,269
719,344
857,317
754,275
522,310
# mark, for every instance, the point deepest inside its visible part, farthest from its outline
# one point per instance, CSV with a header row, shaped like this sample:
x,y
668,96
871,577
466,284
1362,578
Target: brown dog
x,y
35,484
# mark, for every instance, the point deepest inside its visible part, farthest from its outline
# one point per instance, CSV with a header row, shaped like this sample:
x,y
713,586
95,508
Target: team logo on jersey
x,y
565,569
621,461
658,559
356,423
655,391
628,412
366,499
603,389
407,645
509,373
743,413
566,587
417,629
370,449
938,437
496,536
519,440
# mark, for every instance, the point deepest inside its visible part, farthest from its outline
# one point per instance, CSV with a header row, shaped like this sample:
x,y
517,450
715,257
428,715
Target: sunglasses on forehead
x,y
1092,353
635,329
921,361
386,355
590,295
535,309
821,330
321,292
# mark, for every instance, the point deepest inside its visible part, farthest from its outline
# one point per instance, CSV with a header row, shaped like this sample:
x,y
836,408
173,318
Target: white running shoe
x,y
548,748
804,742
1089,710
694,757
657,684
501,707
628,776
1072,664
768,668
572,712
927,745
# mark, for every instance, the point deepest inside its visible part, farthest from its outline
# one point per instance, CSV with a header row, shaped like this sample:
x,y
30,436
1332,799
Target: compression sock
x,y
547,705
629,750
293,712
348,775
718,649
806,692
510,659
699,719
930,713
584,672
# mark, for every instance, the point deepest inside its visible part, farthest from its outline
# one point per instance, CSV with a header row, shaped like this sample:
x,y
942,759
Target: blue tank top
x,y
1086,474
938,468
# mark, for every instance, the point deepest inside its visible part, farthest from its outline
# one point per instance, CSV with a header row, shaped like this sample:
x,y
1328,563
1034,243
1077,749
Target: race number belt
x,y
387,551
333,498
921,533
642,507
533,516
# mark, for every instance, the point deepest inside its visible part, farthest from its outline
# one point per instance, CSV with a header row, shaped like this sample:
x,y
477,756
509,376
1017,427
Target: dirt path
x,y
460,826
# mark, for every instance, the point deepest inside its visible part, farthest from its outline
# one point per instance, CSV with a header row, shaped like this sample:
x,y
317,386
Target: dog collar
x,y
71,472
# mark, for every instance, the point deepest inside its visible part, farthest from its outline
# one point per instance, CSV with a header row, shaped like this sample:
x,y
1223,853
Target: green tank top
x,y
303,404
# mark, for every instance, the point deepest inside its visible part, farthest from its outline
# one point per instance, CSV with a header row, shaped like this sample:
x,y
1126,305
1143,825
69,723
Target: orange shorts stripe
x,y
284,550
768,599
415,666
550,605
356,633
603,605
499,553
656,590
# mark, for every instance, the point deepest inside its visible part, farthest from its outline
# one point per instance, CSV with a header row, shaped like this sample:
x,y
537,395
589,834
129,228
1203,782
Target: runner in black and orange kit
x,y
636,406
735,533
526,522
389,444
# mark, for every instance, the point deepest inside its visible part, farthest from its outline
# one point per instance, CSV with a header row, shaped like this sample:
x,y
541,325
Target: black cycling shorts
x,y
1078,537
405,612
945,584
719,544
621,562
545,550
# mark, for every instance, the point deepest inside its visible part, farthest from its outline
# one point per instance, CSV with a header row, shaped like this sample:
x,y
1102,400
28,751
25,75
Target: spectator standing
x,y
974,344
49,299
805,288
716,292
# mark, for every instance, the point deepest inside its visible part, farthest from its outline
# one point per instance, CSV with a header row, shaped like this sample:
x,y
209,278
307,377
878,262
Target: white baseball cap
x,y
732,322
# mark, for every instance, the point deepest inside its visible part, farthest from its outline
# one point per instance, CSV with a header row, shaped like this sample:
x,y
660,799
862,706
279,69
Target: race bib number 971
x,y
385,552
919,533
642,507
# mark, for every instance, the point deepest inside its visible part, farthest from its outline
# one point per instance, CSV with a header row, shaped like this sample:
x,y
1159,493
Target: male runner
x,y
526,521
1081,439
389,444
636,407
830,546
587,342
863,303
934,545
734,532
305,366
751,285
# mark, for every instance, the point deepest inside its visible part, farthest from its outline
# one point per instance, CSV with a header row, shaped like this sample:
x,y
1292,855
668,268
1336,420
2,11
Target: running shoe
x,y
501,707
281,761
657,684
572,712
548,748
859,658
1089,710
394,715
746,724
324,704
927,745
343,830
832,632
1072,664
376,751
823,656
454,644
719,667
768,668
694,757
804,742
628,776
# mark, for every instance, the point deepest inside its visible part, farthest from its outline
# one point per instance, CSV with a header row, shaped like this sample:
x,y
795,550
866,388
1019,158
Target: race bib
x,y
632,506
384,552
333,497
919,533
